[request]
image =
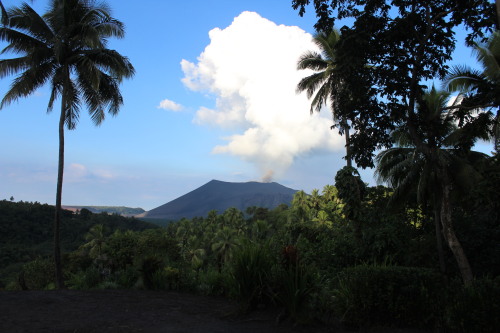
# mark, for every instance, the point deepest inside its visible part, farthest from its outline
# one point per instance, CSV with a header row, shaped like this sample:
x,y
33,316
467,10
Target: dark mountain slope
x,y
220,196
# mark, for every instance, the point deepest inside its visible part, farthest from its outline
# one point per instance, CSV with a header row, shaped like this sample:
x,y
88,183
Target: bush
x,y
37,274
474,308
212,282
87,279
295,287
388,295
126,278
152,273
172,278
250,275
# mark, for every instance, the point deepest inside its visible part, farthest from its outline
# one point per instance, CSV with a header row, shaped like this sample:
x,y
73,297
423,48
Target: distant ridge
x,y
218,195
120,210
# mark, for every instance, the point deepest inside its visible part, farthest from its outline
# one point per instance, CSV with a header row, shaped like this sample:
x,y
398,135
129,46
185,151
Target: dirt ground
x,y
130,311
138,311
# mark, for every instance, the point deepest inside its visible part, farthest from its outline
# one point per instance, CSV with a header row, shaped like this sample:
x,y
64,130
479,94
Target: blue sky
x,y
213,98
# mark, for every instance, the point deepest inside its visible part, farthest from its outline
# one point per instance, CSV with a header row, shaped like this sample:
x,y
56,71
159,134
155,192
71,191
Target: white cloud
x,y
77,173
167,104
250,67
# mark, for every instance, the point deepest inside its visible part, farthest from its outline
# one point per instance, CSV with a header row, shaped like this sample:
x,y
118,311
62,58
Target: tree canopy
x,y
404,44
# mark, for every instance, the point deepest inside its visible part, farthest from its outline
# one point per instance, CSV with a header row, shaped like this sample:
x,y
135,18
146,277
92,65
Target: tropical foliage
x,y
326,83
481,89
319,263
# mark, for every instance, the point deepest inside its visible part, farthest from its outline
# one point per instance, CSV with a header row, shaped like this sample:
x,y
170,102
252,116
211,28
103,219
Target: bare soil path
x,y
130,311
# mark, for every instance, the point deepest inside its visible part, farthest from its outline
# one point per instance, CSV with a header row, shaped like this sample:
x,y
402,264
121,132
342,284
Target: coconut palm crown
x,y
326,83
66,47
480,87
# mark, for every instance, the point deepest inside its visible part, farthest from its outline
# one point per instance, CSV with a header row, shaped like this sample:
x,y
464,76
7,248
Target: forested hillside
x,y
26,231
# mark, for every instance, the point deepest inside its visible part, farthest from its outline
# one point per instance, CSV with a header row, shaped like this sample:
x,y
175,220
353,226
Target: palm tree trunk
x,y
449,233
439,238
498,12
345,128
57,220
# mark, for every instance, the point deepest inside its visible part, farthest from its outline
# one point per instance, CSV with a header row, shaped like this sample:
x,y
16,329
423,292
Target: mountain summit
x,y
219,195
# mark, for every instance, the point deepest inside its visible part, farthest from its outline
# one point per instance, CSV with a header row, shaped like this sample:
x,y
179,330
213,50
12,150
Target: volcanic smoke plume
x,y
268,177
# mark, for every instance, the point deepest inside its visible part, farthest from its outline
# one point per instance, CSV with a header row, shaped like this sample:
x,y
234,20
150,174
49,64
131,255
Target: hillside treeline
x,y
328,258
26,232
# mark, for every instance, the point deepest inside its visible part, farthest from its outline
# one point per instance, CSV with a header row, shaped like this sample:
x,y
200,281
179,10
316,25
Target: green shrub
x,y
250,275
172,278
37,274
126,278
151,273
212,282
474,308
294,289
388,296
87,279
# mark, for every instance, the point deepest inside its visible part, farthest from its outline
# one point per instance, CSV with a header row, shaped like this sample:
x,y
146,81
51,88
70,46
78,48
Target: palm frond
x,y
54,94
110,62
110,94
393,164
27,82
19,42
12,66
320,98
402,138
5,16
71,99
310,84
326,42
311,60
27,20
99,17
462,78
489,56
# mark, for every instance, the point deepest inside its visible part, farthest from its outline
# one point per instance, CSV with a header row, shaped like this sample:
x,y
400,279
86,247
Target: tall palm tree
x,y
67,48
300,205
224,241
326,83
481,87
429,176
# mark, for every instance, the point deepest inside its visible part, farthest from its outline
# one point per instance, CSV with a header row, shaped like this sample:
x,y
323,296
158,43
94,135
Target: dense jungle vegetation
x,y
319,259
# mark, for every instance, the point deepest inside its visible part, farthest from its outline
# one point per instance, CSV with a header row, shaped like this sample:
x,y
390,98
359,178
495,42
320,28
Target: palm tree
x,y
233,218
429,176
300,205
95,241
326,83
330,200
66,48
323,219
315,200
223,243
482,87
